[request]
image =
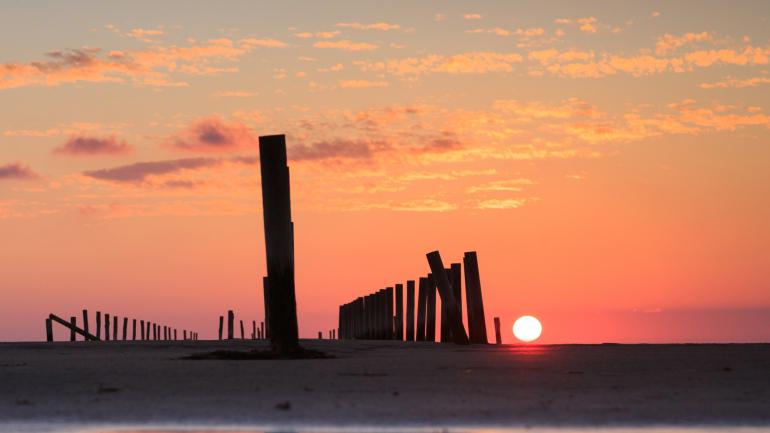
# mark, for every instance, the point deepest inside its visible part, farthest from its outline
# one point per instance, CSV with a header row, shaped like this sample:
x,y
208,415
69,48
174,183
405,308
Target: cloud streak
x,y
16,171
83,145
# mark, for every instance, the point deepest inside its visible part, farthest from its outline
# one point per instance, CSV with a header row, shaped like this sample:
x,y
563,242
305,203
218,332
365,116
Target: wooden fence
x,y
147,330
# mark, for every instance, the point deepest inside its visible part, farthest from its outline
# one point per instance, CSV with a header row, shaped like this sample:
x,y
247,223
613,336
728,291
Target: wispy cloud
x,y
16,171
141,172
383,26
83,145
361,84
212,134
346,45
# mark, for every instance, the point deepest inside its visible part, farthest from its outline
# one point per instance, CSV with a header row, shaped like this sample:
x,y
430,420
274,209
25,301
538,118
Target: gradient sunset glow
x,y
609,162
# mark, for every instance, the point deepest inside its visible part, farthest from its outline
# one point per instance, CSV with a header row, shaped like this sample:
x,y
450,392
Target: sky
x,y
609,162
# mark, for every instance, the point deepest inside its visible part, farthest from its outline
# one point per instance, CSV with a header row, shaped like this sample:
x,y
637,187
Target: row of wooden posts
x,y
375,317
257,333
147,330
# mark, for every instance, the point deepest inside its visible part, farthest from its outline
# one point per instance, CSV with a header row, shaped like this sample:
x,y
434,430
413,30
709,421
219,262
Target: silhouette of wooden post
x,y
410,310
174,334
133,329
384,322
399,312
388,322
253,329
114,327
221,323
279,243
265,293
447,296
85,321
73,323
48,330
125,328
477,324
446,334
422,302
498,338
320,335
454,274
141,330
241,329
341,318
360,318
430,316
230,324
262,329
98,325
106,327
154,331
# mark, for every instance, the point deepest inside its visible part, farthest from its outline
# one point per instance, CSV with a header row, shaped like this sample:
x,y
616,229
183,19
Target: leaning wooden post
x,y
477,324
279,243
48,330
98,325
221,323
498,337
114,327
410,310
125,328
447,296
85,321
430,315
399,312
422,301
230,324
133,329
106,327
73,323
241,329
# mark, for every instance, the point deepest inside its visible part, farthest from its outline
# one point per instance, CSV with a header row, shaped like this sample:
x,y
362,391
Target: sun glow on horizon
x,y
527,329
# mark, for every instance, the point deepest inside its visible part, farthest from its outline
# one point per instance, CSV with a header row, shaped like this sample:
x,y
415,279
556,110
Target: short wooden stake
x,y
73,322
221,323
241,329
48,330
106,327
133,329
114,327
498,337
230,324
98,325
125,328
141,326
85,320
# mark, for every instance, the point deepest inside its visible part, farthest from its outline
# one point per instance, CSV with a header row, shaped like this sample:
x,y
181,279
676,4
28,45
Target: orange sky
x,y
610,165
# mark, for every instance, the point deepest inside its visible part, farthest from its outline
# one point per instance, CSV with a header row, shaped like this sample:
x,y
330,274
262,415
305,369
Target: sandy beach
x,y
386,384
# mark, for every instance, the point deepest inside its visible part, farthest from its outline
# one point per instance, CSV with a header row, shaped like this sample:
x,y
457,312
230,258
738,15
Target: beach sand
x,y
386,384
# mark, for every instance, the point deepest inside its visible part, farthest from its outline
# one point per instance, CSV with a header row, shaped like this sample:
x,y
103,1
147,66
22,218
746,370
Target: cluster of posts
x,y
380,315
256,333
146,330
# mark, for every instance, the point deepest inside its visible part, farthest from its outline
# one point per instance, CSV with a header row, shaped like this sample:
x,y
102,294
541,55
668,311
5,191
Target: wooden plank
x,y
498,337
430,314
85,321
477,324
279,243
422,301
447,295
230,324
69,326
48,329
410,310
399,329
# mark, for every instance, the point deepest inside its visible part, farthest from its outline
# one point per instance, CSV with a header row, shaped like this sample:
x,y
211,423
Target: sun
x,y
527,329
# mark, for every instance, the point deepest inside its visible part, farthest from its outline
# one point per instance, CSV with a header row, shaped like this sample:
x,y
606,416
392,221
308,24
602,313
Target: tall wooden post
x,y
141,330
477,324
133,329
230,324
48,329
73,322
85,321
98,325
410,310
174,334
388,322
106,327
265,293
262,329
498,337
422,301
221,320
253,329
399,312
447,296
279,243
184,334
341,317
242,330
125,328
114,327
446,333
430,315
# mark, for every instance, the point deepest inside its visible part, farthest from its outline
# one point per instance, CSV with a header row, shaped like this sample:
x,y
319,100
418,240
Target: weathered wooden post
x,y
98,325
184,334
48,329
262,329
388,322
359,332
410,310
221,323
241,329
454,274
85,321
320,335
73,323
341,316
125,328
230,324
399,312
253,329
477,324
141,330
106,327
279,243
154,331
265,295
422,302
133,329
384,321
114,327
174,334
430,316
498,337
447,296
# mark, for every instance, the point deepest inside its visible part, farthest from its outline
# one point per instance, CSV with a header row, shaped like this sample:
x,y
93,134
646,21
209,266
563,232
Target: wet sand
x,y
388,384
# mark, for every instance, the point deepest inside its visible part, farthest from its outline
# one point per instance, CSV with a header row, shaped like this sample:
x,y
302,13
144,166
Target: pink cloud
x,y
212,134
16,171
90,145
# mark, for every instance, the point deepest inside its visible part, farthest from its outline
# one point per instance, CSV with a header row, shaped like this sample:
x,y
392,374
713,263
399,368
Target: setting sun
x,y
527,329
